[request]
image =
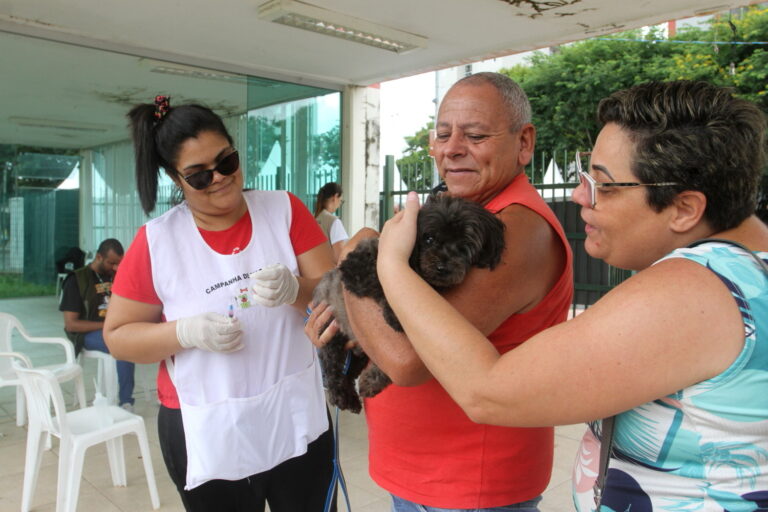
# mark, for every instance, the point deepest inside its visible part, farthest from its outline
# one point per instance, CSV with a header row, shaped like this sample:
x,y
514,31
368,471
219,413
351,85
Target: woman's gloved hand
x,y
210,331
274,285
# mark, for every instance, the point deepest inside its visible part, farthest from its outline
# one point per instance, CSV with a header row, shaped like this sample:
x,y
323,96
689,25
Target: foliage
x,y
416,165
327,147
12,285
564,87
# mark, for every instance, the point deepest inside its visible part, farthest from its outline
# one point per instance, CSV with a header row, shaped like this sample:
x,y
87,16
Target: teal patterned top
x,y
704,448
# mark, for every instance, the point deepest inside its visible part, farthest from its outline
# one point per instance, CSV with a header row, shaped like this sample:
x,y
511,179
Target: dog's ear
x,y
491,230
358,270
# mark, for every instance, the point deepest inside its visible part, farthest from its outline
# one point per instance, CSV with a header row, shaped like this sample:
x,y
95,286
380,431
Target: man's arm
x,y
72,323
532,262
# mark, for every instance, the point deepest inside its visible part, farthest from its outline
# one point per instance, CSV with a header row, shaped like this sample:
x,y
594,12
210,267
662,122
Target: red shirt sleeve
x,y
133,279
305,232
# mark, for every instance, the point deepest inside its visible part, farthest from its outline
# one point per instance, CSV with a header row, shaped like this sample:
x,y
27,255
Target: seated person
x,y
84,301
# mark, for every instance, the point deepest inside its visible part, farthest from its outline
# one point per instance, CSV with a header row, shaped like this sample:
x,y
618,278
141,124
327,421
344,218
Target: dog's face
x,y
453,235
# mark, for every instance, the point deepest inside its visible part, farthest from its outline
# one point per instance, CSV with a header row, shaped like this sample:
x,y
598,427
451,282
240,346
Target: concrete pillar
x,y
360,157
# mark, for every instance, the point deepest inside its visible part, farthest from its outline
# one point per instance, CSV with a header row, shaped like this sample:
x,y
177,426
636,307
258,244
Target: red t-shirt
x,y
134,280
424,448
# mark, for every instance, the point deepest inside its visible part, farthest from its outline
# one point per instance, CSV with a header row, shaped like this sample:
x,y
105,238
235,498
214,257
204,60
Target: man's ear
x,y
527,142
687,210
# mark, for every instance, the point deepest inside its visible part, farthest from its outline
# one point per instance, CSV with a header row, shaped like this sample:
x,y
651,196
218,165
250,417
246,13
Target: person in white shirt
x,y
329,199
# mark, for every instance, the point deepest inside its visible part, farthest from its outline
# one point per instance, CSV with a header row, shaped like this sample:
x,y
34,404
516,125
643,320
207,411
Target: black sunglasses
x,y
202,179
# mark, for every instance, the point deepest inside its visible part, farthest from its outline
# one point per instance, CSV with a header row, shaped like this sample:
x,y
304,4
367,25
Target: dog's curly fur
x,y
453,235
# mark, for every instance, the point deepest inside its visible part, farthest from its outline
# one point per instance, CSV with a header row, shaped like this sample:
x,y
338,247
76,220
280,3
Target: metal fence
x,y
554,177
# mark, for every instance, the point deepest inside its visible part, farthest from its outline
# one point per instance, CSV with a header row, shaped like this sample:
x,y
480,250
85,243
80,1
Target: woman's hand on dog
x,y
320,315
398,238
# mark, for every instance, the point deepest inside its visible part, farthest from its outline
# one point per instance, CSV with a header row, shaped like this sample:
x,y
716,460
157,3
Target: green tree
x,y
416,165
327,147
565,87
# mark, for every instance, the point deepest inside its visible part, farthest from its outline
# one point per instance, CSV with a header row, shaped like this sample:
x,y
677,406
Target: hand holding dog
x,y
398,238
319,316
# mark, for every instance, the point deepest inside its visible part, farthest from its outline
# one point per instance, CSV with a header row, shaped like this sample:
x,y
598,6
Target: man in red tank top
x,y
423,449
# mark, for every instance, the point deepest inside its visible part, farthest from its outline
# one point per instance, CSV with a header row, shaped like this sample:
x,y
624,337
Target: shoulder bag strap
x,y
606,446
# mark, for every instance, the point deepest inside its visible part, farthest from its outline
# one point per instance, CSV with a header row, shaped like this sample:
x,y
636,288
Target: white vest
x,y
247,411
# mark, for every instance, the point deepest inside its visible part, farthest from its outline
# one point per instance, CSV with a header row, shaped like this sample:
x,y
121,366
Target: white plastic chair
x,y
78,430
106,376
106,373
66,371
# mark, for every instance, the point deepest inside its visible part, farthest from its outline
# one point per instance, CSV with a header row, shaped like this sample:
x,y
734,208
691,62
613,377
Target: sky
x,y
405,106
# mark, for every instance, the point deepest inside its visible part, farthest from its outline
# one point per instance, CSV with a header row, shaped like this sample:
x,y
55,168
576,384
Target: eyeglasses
x,y
591,185
202,179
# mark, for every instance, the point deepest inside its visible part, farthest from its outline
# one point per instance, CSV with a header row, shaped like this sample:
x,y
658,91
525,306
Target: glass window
x,y
70,108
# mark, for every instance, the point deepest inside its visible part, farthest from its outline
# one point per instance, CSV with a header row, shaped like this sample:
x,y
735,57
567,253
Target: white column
x,y
87,242
360,157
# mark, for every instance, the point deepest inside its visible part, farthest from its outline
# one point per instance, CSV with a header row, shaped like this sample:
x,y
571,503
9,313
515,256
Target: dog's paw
x,y
345,397
372,381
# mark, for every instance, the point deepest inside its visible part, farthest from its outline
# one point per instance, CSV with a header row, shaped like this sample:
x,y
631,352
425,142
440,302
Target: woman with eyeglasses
x,y
328,201
678,352
216,289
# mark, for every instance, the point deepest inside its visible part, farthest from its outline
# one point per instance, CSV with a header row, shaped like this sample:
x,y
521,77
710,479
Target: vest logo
x,y
242,299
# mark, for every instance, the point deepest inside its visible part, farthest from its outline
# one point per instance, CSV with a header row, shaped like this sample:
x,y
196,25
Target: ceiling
x,y
80,84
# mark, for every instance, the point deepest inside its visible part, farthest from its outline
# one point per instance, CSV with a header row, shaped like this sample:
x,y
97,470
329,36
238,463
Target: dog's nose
x,y
441,267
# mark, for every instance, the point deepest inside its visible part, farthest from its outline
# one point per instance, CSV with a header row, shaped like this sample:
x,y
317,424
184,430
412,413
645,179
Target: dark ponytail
x,y
326,192
156,142
148,165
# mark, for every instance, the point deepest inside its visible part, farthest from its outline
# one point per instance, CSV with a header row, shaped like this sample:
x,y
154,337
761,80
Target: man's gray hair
x,y
514,97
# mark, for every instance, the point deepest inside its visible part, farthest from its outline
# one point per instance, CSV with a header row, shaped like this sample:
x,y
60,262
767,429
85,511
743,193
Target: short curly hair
x,y
697,135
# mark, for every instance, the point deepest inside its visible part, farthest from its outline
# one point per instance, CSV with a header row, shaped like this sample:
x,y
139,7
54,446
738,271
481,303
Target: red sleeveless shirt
x,y
423,448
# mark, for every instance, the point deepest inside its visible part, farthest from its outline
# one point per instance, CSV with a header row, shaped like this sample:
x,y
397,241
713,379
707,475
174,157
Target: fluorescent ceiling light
x,y
316,19
199,73
59,124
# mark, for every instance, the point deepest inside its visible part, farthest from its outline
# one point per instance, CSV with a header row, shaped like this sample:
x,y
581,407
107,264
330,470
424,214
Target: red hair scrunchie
x,y
162,106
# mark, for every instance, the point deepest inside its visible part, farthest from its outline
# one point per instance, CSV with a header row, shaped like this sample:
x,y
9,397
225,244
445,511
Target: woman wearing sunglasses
x,y
678,352
216,289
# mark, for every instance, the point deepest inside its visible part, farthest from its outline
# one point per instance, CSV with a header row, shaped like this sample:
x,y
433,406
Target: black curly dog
x,y
453,235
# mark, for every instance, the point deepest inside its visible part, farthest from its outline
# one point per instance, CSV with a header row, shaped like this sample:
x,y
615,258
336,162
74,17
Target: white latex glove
x,y
274,285
210,331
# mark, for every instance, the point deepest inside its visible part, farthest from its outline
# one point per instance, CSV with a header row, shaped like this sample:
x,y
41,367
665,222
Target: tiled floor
x,y
41,318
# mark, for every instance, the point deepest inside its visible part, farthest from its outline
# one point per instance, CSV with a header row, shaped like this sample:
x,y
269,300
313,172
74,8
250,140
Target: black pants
x,y
297,485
